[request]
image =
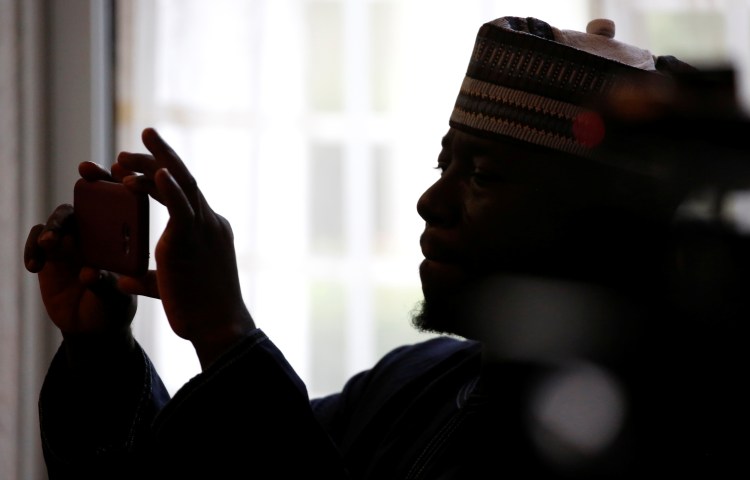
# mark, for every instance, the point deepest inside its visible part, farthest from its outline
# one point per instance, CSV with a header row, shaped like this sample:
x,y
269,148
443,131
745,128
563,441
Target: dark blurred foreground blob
x,y
645,380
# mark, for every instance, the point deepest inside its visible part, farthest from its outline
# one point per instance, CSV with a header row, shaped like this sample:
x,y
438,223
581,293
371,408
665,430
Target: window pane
x,y
326,199
322,205
383,42
324,56
328,314
393,306
697,36
383,201
201,61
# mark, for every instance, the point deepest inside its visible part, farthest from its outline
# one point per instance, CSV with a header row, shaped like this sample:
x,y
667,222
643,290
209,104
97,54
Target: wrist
x,y
222,337
91,351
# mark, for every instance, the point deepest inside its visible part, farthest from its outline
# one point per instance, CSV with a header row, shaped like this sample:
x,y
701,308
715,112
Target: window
x,y
312,125
705,33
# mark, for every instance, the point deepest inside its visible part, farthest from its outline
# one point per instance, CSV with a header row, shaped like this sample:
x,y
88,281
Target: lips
x,y
438,249
442,271
436,267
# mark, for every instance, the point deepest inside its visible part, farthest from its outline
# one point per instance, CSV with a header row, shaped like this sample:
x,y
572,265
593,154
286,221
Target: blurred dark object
x,y
685,140
643,376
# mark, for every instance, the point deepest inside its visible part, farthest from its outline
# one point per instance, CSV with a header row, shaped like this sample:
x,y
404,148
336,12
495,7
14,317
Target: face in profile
x,y
499,207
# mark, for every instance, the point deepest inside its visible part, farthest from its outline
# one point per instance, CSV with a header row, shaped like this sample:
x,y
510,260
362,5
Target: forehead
x,y
508,153
536,166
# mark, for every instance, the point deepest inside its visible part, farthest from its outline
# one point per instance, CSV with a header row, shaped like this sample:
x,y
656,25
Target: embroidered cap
x,y
533,82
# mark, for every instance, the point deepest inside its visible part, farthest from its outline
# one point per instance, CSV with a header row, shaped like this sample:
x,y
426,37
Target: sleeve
x,y
347,413
247,416
95,420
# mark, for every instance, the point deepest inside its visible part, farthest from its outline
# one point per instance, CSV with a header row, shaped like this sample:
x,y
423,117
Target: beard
x,y
444,314
427,318
457,299
450,295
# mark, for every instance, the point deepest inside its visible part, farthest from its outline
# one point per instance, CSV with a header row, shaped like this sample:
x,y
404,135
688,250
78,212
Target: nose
x,y
439,205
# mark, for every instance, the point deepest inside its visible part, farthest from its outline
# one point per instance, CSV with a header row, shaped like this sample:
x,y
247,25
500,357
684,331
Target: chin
x,y
444,314
440,279
424,319
446,307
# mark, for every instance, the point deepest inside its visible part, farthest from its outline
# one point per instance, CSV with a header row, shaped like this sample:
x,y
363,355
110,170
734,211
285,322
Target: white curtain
x,y
55,60
23,333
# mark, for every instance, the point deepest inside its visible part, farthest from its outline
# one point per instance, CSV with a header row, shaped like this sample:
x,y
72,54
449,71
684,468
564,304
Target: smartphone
x,y
113,226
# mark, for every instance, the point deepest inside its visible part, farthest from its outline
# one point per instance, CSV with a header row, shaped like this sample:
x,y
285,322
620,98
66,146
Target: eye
x,y
483,177
443,162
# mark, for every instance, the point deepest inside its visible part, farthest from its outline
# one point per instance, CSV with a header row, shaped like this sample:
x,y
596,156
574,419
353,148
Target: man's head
x,y
522,191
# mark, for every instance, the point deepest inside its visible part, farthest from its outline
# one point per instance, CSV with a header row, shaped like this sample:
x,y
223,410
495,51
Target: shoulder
x,y
414,363
398,374
426,354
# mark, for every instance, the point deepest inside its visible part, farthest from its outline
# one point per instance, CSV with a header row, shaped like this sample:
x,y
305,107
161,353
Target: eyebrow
x,y
472,147
466,148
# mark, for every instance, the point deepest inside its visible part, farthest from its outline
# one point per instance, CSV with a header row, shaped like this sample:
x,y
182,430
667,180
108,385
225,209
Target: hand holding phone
x,y
113,226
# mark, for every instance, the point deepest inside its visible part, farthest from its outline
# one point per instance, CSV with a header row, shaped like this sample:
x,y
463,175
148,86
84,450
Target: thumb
x,y
101,282
104,285
144,286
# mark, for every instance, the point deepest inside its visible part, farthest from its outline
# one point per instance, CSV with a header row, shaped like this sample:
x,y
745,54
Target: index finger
x,y
167,158
181,213
92,171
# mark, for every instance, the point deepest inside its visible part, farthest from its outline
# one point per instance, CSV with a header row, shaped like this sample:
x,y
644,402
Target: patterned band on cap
x,y
485,108
532,89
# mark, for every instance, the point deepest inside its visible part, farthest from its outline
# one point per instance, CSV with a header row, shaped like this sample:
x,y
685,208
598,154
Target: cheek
x,y
511,225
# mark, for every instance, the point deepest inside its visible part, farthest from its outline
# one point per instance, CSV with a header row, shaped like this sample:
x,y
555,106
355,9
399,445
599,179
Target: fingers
x,y
167,158
162,152
33,254
104,285
143,286
57,239
137,162
47,240
142,184
58,224
119,171
101,282
93,171
181,212
162,156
